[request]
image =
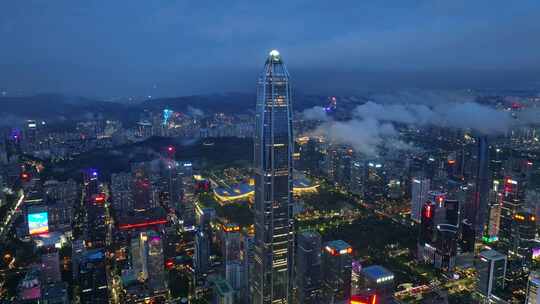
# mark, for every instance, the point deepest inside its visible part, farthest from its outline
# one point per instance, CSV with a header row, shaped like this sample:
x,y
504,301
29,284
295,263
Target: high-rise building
x,y
356,278
50,267
512,200
419,192
147,259
491,270
202,253
482,186
223,293
446,247
467,236
533,286
426,233
155,260
309,268
491,234
337,269
247,259
273,185
379,281
523,237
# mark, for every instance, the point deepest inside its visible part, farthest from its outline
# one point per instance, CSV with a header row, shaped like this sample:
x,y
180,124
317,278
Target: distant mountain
x,y
230,103
59,108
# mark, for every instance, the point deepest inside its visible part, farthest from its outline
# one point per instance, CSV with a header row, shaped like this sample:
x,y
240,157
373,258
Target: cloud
x,y
372,126
315,113
195,112
364,135
467,115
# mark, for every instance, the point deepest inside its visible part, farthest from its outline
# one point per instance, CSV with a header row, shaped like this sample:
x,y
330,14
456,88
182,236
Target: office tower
x,y
446,247
78,251
247,259
230,242
452,209
426,233
234,276
438,198
419,192
491,270
202,253
337,268
121,189
223,293
273,185
56,293
147,259
533,284
142,192
91,183
308,267
494,218
50,267
511,203
138,256
155,260
482,186
357,177
523,237
93,278
379,281
356,278
467,236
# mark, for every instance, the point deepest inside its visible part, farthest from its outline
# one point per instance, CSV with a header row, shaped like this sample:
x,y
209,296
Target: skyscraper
x,y
533,285
420,189
491,272
273,185
482,186
337,270
308,267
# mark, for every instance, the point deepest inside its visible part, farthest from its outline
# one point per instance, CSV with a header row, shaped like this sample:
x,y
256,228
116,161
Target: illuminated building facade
x,y
337,270
378,281
426,233
533,286
491,270
523,237
419,192
273,185
309,267
511,204
482,186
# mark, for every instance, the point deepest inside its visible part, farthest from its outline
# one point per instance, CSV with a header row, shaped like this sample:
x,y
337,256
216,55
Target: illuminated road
x,y
6,224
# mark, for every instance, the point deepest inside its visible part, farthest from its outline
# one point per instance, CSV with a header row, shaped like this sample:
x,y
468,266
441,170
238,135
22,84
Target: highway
x,y
10,217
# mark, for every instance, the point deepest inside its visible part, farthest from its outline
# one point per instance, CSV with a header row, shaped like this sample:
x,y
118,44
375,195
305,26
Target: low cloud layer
x,y
467,115
372,125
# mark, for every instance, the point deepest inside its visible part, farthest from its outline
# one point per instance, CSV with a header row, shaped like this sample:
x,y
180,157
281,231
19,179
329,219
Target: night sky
x,y
164,48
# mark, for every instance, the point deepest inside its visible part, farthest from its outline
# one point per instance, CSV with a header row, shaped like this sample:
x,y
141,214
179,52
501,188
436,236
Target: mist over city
x,y
282,152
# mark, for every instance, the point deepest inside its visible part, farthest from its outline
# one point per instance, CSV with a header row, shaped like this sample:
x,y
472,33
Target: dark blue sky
x,y
120,47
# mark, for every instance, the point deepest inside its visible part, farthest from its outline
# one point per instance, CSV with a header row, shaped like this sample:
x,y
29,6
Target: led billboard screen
x,y
38,223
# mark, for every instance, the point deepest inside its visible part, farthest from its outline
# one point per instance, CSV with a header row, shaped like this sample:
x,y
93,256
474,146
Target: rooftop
x,y
376,272
338,245
492,255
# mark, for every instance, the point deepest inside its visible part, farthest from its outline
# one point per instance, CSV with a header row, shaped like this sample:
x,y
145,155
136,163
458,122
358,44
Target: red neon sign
x,y
372,299
428,212
100,198
141,225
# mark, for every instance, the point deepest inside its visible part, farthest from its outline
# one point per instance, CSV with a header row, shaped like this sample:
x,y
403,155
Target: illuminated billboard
x,y
38,223
536,253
